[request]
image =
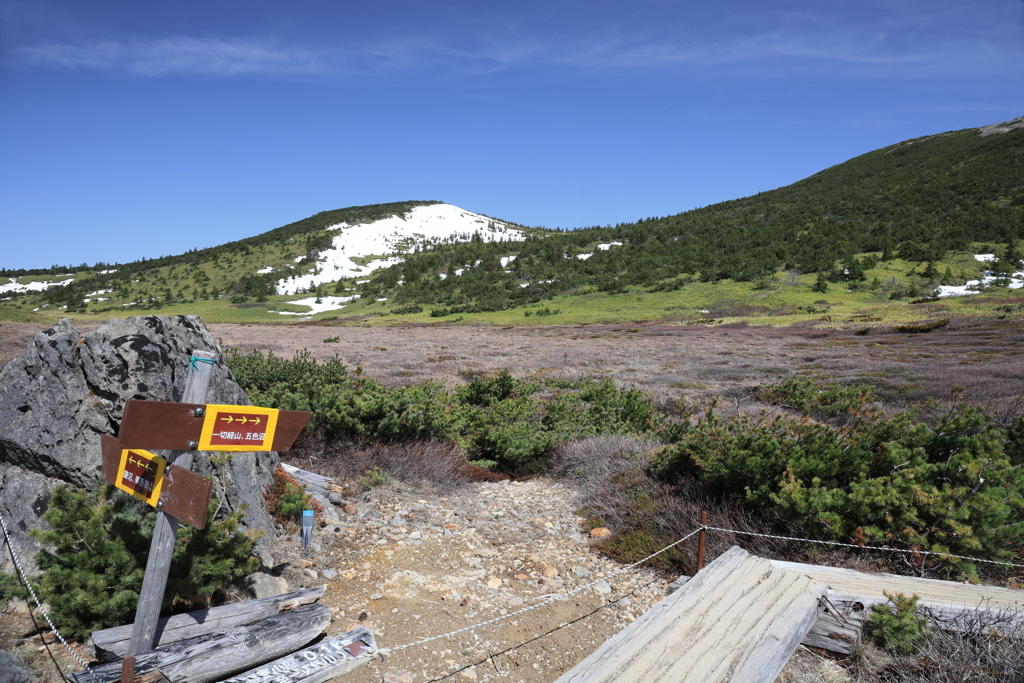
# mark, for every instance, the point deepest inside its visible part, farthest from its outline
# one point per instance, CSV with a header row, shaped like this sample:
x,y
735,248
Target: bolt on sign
x,y
141,474
238,428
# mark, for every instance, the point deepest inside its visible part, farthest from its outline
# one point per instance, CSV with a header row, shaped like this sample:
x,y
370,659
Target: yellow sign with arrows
x,y
141,474
238,428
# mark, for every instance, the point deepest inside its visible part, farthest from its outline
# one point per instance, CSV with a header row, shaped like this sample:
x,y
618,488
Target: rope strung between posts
x,y
383,652
862,547
193,361
25,581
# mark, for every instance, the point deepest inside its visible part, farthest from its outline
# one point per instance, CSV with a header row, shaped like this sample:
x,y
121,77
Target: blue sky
x,y
139,129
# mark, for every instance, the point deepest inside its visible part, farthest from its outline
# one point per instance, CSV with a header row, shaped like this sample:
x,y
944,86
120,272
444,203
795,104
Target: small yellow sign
x,y
238,428
141,474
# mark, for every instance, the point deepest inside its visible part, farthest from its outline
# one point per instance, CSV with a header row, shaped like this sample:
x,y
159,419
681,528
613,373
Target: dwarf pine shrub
x,y
98,544
894,626
500,418
956,487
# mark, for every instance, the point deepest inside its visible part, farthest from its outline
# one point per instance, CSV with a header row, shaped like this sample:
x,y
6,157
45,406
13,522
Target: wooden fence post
x,y
700,540
165,532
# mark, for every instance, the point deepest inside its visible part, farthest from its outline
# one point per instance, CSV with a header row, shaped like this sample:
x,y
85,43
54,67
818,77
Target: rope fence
x,y
35,598
863,547
546,601
701,529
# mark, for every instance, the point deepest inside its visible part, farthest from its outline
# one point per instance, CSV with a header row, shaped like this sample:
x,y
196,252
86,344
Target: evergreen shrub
x,y
99,544
894,626
499,418
287,498
956,487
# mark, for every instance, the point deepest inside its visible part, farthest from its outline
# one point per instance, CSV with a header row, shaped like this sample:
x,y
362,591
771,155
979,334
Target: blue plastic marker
x,y
307,528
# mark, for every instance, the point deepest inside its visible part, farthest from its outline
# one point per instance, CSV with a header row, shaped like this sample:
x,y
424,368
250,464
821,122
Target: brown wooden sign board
x,y
183,494
162,425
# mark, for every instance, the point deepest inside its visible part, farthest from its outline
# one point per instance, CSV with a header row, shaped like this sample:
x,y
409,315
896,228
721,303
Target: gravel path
x,y
424,565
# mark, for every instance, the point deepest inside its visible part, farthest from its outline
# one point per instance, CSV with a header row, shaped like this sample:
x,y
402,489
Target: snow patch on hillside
x,y
388,237
327,303
38,286
976,286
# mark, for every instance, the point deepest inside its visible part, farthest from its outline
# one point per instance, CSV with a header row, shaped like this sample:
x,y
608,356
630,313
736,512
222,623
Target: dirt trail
x,y
422,565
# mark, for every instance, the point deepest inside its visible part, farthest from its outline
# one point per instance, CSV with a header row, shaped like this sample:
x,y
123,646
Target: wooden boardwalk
x,y
948,603
934,594
739,619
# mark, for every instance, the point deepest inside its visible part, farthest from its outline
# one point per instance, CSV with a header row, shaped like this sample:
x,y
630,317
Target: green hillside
x,y
918,200
865,240
201,276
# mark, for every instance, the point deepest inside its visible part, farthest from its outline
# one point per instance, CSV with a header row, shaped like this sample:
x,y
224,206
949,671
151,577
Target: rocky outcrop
x,y
67,389
23,500
13,669
1000,128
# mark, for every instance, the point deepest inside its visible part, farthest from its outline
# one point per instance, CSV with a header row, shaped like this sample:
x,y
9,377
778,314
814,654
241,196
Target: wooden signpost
x,y
197,426
168,484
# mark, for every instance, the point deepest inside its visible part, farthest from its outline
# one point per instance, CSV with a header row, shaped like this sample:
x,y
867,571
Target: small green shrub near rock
x,y
375,477
99,541
286,498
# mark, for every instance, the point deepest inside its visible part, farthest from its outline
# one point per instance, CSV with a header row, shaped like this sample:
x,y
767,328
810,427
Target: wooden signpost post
x,y
169,484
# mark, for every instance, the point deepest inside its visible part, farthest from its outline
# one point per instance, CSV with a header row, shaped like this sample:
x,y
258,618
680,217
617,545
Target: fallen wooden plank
x,y
112,643
933,593
949,605
838,628
317,663
314,483
739,619
839,636
215,656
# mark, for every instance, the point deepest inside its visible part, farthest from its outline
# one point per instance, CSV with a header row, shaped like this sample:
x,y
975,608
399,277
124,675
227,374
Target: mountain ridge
x,y
916,201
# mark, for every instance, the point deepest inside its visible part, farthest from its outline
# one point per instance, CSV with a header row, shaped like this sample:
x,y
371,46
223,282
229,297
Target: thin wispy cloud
x,y
800,42
181,56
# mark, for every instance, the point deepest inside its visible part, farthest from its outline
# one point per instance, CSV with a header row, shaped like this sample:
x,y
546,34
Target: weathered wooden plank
x,y
828,632
215,656
933,593
160,425
290,424
738,619
112,643
317,663
313,482
838,628
838,636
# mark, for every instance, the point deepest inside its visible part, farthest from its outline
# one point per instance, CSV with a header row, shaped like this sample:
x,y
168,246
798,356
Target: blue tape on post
x,y
307,528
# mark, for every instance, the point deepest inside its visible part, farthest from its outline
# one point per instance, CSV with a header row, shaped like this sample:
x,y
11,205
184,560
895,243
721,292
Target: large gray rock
x,y
24,497
66,390
13,669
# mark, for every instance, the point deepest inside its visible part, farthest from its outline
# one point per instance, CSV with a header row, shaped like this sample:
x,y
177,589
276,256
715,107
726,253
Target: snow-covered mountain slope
x,y
383,241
